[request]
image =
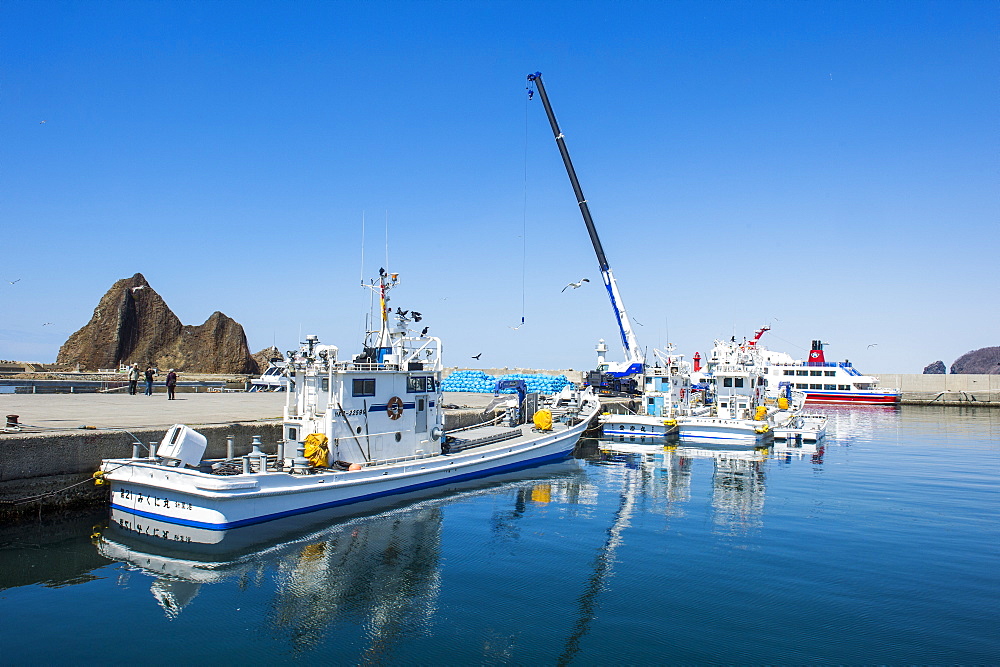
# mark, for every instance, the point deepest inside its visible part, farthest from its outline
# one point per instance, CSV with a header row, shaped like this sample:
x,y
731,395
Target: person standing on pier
x,y
149,380
133,379
171,384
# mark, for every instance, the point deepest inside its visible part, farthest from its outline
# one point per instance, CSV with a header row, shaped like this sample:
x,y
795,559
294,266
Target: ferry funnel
x,y
816,355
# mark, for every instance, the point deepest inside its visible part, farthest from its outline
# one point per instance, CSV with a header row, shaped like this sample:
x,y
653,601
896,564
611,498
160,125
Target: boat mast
x,y
633,353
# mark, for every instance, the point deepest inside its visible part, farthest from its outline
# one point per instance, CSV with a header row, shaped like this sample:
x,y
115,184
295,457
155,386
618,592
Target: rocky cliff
x,y
985,360
133,324
264,357
936,368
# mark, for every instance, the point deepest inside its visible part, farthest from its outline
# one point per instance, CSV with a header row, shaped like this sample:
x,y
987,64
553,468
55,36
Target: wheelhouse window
x,y
788,372
727,382
738,382
363,387
815,386
417,384
801,386
830,374
815,373
829,386
843,386
802,372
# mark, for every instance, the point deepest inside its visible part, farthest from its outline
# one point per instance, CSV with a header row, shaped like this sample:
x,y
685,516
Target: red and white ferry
x,y
822,381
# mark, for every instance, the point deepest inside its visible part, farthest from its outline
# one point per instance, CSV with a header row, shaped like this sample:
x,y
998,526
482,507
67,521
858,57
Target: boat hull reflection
x,y
150,544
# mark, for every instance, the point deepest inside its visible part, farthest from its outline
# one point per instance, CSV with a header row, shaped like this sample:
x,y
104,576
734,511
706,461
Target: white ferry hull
x,y
195,499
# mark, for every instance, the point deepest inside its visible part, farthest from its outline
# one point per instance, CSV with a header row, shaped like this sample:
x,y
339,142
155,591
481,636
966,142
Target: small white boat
x,y
666,396
800,427
354,429
273,378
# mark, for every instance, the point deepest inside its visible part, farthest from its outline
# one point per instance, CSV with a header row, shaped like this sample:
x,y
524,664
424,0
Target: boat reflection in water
x,y
738,483
379,562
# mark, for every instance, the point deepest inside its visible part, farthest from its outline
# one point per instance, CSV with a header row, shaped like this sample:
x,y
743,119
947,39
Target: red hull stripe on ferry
x,y
836,397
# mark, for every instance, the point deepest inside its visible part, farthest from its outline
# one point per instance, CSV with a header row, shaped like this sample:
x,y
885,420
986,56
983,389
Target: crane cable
x,y
524,213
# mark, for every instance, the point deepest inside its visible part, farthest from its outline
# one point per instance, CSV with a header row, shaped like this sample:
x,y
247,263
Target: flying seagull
x,y
14,281
873,345
42,122
477,356
47,324
416,316
575,285
136,289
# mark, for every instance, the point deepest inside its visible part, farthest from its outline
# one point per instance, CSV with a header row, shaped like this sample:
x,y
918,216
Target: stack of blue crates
x,y
480,382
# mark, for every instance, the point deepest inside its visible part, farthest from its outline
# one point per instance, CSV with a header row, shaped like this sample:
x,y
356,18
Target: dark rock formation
x,y
985,360
264,357
937,368
132,324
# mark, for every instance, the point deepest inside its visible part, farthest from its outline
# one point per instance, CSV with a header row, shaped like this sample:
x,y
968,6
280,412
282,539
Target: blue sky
x,y
828,168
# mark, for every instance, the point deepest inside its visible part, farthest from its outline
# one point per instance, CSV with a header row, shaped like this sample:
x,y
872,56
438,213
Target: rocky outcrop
x,y
132,324
264,357
985,360
937,368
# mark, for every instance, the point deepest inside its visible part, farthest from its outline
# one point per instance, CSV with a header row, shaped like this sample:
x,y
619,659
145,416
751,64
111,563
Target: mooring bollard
x,y
152,450
12,421
230,447
135,450
258,453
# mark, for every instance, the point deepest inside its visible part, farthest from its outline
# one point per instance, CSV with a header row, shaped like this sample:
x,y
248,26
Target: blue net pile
x,y
480,382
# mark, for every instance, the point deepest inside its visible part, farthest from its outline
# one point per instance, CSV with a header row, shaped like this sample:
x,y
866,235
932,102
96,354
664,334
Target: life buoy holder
x,y
394,408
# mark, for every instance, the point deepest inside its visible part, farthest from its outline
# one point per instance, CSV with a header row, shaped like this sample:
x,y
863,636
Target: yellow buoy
x,y
782,403
543,420
761,412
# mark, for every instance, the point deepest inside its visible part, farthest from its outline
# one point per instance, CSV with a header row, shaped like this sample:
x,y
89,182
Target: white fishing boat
x,y
354,429
732,411
274,378
666,398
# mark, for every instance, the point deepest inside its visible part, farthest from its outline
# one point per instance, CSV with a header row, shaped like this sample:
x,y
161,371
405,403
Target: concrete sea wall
x,y
959,390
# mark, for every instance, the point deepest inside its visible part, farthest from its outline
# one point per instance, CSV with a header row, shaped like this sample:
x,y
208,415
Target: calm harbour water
x,y
880,546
